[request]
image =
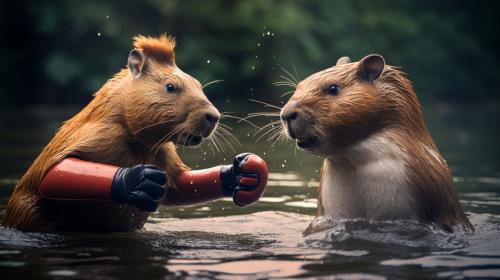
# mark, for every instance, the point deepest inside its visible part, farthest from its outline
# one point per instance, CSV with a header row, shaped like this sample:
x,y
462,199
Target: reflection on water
x,y
223,241
263,244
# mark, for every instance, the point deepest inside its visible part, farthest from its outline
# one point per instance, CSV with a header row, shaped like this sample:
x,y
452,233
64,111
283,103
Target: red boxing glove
x,y
244,180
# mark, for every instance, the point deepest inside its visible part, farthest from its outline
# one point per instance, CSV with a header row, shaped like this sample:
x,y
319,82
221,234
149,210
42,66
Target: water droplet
x,y
268,33
65,273
215,181
208,61
107,17
248,134
98,34
258,44
253,67
191,182
283,165
256,56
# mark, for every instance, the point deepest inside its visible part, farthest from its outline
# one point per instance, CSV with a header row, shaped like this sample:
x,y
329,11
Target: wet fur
x,y
121,127
369,132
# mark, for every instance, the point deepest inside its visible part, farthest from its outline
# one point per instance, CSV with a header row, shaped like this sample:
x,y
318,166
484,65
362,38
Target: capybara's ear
x,y
343,60
136,61
371,67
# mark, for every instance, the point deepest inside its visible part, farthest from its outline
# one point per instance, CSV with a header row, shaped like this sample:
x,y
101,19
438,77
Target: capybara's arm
x,y
244,180
143,185
73,179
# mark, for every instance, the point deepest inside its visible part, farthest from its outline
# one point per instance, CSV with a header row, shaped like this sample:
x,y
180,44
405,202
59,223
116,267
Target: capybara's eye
x,y
333,89
170,88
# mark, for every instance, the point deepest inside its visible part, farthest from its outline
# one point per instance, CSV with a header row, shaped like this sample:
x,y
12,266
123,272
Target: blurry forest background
x,y
60,52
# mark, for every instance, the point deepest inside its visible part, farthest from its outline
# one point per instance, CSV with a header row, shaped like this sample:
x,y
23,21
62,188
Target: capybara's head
x,y
334,108
162,103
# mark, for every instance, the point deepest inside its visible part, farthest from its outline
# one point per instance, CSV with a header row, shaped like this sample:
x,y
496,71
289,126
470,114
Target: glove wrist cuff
x,y
227,178
118,190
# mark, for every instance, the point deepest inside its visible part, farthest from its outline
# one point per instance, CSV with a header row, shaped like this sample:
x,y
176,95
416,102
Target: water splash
x,y
327,232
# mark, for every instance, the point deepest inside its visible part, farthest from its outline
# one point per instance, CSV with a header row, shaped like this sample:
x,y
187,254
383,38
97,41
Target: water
x,y
220,240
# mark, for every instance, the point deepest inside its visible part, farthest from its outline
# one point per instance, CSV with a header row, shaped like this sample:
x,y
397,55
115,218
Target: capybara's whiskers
x,y
265,104
267,114
272,124
317,132
158,144
211,142
284,83
211,83
223,132
221,135
230,135
239,119
276,134
280,138
291,78
165,137
226,130
211,146
287,93
155,124
217,141
185,138
273,132
274,139
158,123
262,114
297,78
269,132
226,126
292,83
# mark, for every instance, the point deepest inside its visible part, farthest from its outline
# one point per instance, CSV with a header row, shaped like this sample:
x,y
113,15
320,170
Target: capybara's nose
x,y
289,112
290,119
209,121
289,116
212,119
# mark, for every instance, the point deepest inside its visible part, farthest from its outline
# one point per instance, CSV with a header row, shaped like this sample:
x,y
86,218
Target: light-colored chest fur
x,y
369,181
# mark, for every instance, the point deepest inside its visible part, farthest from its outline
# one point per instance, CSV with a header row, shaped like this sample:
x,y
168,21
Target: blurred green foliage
x,y
61,51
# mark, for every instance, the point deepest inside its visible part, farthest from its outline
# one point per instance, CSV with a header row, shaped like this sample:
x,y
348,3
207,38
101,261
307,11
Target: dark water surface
x,y
219,240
